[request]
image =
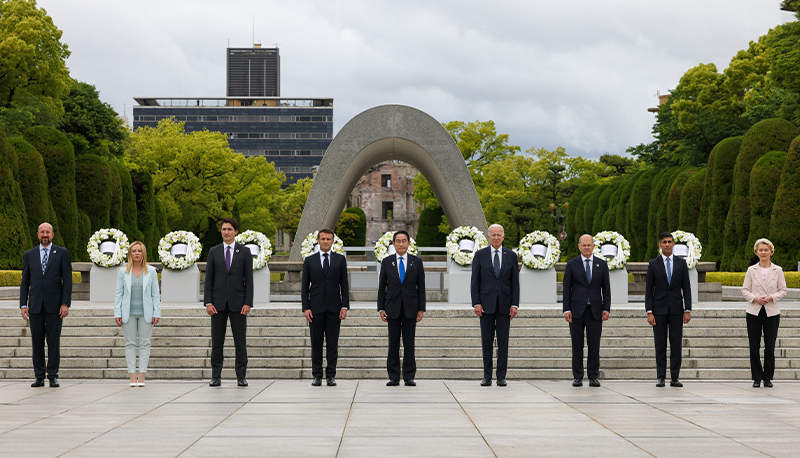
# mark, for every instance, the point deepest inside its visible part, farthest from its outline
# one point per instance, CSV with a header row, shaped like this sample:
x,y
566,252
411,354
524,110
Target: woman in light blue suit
x,y
137,307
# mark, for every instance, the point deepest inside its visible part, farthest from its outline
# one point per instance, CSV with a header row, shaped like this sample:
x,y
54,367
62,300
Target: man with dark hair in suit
x,y
495,299
587,303
401,303
325,294
668,302
228,295
45,295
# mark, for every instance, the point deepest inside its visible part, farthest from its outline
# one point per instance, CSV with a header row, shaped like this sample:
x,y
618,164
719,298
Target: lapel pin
x,y
392,263
237,250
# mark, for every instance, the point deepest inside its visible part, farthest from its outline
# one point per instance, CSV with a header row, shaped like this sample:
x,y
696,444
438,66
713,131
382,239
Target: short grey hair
x,y
501,228
763,242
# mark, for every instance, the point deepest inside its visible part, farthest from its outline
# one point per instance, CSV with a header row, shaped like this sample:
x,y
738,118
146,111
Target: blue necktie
x,y
402,270
588,271
44,261
669,273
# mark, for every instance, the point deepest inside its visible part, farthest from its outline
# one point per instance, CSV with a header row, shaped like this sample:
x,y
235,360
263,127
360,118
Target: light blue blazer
x,y
150,295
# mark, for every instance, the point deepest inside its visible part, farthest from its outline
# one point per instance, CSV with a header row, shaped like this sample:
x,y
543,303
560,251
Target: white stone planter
x,y
261,285
693,281
619,285
458,283
103,283
537,286
180,285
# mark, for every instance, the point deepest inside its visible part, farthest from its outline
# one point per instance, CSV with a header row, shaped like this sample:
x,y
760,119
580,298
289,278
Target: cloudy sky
x,y
578,74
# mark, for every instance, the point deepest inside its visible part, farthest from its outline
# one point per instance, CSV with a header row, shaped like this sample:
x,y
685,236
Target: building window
x,y
386,181
388,208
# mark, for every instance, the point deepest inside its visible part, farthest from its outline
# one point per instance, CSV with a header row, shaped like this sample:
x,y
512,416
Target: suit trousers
x,y
668,326
137,333
407,328
593,328
47,326
769,325
324,327
491,323
219,325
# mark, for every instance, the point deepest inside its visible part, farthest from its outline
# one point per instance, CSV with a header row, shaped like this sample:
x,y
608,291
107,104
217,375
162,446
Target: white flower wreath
x,y
692,243
259,240
119,252
623,248
173,262
310,243
551,256
383,243
464,258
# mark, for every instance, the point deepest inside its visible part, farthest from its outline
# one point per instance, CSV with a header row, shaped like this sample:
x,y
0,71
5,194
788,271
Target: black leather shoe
x,y
661,382
331,381
676,383
411,382
756,383
486,382
577,382
53,382
594,382
317,381
241,382
768,383
215,382
501,382
393,383
39,382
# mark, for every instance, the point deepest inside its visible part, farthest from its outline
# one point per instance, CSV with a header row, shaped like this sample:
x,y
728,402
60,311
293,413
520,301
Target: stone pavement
x,y
358,418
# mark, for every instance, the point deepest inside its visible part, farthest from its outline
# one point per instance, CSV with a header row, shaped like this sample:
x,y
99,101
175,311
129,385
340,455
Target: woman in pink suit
x,y
764,285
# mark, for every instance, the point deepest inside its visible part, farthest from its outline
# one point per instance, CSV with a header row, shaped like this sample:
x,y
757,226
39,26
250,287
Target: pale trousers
x,y
137,334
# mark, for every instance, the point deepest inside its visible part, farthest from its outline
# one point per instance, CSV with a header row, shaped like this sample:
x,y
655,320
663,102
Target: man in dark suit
x,y
45,295
401,303
495,299
668,302
325,294
228,295
587,303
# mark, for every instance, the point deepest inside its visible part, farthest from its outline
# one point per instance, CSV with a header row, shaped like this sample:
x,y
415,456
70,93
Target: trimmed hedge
x,y
93,189
428,230
691,202
574,219
116,217
624,192
146,208
14,277
785,216
657,211
590,203
610,215
765,136
361,228
129,212
723,156
737,278
638,207
13,222
602,206
764,181
674,198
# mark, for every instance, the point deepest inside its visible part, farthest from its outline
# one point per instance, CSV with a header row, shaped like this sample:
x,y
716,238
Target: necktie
x,y
402,270
44,261
588,271
325,264
496,264
669,273
228,259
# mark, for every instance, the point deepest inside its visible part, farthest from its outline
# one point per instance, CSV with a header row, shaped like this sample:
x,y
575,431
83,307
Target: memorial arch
x,y
384,133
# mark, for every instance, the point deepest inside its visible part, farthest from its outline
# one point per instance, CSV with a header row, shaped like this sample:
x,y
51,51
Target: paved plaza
x,y
357,418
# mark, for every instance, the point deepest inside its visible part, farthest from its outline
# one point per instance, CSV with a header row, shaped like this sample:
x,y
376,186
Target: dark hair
x,y
664,235
325,230
394,237
232,222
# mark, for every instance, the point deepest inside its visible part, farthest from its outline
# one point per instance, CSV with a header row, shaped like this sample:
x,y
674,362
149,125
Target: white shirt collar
x,y
671,259
231,244
48,247
586,259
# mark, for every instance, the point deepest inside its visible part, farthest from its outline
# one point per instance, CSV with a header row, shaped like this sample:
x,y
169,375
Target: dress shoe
x,y
215,382
39,382
331,381
577,382
241,382
756,383
594,382
501,382
53,382
393,383
317,381
410,382
768,383
660,382
676,383
486,382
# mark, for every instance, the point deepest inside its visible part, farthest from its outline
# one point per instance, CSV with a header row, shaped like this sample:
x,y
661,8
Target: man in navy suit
x,y
668,302
325,294
45,295
229,296
587,303
495,299
401,303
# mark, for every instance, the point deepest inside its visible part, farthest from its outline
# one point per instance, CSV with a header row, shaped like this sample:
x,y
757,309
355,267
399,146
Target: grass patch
x,y
14,277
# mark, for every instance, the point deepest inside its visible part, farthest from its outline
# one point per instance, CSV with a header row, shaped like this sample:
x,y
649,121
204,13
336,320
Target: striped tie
x,y
44,261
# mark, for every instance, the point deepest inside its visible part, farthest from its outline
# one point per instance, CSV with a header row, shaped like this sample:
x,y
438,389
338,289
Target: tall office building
x,y
254,72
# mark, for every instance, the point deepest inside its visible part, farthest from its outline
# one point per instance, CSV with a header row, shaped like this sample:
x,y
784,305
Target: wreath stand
x,y
261,285
538,286
619,285
458,283
103,283
180,285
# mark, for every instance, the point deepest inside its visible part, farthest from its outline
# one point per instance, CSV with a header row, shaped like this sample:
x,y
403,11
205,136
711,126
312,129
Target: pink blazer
x,y
755,286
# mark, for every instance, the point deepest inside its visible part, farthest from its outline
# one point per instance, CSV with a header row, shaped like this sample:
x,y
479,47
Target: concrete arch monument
x,y
383,133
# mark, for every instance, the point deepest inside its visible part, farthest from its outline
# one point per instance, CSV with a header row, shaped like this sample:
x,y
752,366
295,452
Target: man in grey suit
x,y
45,295
668,302
495,299
228,295
401,303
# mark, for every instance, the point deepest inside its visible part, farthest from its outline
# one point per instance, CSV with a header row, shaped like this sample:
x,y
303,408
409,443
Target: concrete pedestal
x,y
365,279
693,281
619,286
458,284
103,283
180,285
261,285
537,286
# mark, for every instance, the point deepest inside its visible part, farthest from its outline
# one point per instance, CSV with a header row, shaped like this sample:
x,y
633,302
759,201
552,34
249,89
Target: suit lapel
x,y
50,259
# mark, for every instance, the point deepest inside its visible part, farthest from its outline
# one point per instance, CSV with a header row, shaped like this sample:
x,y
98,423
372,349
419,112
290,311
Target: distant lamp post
x,y
558,215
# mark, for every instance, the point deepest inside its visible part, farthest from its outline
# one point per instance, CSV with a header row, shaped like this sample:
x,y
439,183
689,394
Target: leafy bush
x,y
93,190
737,278
637,222
785,218
428,230
718,195
13,222
674,198
14,277
691,199
764,181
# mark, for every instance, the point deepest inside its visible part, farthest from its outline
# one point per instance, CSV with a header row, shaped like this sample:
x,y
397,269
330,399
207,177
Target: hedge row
x,y
14,277
737,278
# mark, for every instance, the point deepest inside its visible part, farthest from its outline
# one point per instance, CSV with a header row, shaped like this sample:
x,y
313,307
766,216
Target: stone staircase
x,y
448,345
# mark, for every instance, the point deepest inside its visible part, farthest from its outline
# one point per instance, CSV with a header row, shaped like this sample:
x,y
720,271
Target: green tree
x,y
428,233
621,165
292,205
361,227
142,183
719,195
93,189
674,198
764,181
576,224
129,224
347,227
785,217
637,214
691,198
656,214
115,215
13,222
91,124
